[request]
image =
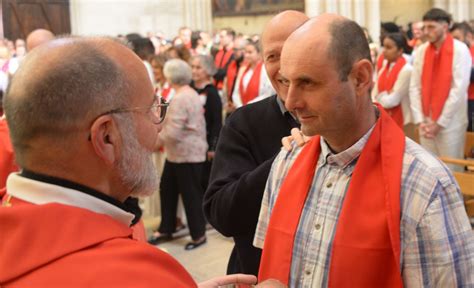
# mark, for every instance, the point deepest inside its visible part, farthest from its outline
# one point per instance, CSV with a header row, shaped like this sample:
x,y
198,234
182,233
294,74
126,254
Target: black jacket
x,y
248,144
212,113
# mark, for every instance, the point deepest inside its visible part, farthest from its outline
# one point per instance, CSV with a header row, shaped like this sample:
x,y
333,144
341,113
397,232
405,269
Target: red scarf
x,y
251,92
231,75
386,81
380,61
436,77
222,58
366,247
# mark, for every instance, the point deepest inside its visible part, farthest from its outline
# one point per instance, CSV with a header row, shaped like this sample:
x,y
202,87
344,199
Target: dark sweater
x,y
212,113
248,144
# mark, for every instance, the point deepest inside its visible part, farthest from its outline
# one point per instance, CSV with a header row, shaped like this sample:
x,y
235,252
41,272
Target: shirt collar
x,y
346,157
40,189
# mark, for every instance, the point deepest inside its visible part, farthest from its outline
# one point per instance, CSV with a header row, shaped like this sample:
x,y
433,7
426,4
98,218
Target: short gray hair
x,y
177,72
348,45
207,64
59,99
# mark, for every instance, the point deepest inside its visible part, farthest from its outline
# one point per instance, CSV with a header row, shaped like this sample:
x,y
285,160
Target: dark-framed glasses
x,y
157,109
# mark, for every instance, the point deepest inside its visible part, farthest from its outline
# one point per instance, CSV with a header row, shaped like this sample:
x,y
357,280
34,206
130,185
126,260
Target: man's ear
x,y
362,75
105,138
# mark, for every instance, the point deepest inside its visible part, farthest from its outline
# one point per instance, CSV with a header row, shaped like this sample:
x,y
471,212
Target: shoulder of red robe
x,y
87,249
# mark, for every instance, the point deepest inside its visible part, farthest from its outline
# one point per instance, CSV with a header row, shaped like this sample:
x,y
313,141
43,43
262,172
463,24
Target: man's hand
x,y
233,279
229,107
429,129
297,137
210,155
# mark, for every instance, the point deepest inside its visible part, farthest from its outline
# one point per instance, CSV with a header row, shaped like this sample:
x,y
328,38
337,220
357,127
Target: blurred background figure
x,y
203,68
393,82
464,33
184,139
254,84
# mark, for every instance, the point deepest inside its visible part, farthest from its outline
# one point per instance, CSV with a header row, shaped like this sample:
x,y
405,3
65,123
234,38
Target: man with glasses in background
x,y
84,122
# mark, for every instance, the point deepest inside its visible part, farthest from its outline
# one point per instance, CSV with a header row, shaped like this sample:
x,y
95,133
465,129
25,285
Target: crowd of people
x,y
86,114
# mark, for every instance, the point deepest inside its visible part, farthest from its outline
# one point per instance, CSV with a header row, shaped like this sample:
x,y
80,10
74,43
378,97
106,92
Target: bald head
x,y
38,37
341,39
62,85
274,36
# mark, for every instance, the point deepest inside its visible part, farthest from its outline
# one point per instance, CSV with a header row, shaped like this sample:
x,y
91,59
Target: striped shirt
x,y
436,237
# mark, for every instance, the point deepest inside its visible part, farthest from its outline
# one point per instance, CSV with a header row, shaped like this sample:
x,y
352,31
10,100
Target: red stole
x,y
436,77
231,75
68,238
251,92
380,61
222,58
366,247
386,81
470,90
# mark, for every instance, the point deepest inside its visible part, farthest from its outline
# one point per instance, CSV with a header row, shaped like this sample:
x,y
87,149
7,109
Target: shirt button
x,y
307,272
317,226
329,185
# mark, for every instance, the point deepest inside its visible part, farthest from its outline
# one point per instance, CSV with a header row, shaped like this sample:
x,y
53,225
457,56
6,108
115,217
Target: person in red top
x,y
224,56
86,151
463,32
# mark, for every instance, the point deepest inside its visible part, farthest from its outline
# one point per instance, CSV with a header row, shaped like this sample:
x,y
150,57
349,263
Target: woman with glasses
x,y
184,139
203,68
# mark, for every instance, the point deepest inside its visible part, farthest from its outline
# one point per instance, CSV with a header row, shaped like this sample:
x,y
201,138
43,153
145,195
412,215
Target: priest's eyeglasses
x,y
157,109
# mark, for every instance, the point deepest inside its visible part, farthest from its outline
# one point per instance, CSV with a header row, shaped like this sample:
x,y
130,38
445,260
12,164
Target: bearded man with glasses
x,y
78,165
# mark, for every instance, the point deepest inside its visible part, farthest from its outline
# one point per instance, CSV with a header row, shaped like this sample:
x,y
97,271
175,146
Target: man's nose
x,y
291,101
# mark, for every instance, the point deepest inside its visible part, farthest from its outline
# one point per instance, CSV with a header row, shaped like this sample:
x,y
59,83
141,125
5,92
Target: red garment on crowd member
x,y
366,245
471,86
253,87
221,60
386,81
87,250
379,64
7,157
232,72
436,77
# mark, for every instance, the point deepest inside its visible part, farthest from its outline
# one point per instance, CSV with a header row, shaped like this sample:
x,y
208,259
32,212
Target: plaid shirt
x,y
436,237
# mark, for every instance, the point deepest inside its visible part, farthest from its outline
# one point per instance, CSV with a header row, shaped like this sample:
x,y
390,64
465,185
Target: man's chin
x,y
308,130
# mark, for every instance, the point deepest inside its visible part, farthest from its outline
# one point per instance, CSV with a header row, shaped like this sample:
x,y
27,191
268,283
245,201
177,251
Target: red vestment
x,y
386,81
366,245
436,77
56,245
221,61
7,162
253,87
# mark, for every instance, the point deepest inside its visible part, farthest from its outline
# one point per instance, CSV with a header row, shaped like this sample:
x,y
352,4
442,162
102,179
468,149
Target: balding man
x,y
38,37
84,120
248,143
360,205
